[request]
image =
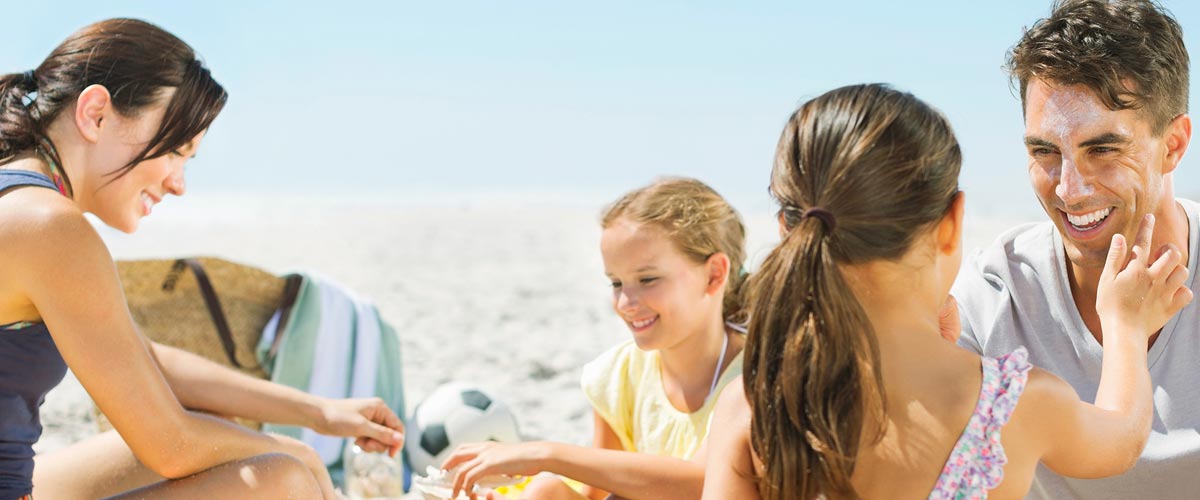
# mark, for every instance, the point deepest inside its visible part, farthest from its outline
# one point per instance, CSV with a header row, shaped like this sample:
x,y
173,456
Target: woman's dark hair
x,y
882,167
135,61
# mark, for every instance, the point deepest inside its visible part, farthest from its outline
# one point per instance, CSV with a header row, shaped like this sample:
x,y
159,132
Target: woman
x,y
104,126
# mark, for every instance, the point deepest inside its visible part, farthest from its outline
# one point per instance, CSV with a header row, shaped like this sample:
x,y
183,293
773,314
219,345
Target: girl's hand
x,y
475,461
1139,297
949,324
375,426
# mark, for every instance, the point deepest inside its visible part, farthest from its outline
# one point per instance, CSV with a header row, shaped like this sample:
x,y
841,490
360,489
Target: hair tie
x,y
28,79
820,213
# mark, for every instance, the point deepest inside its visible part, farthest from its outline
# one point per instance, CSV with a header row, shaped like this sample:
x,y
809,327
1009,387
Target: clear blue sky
x,y
548,96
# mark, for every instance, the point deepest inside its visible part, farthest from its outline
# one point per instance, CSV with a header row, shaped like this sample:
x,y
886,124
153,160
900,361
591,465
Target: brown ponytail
x,y
18,127
883,166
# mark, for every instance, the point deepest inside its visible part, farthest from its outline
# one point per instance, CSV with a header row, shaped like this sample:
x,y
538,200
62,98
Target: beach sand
x,y
509,294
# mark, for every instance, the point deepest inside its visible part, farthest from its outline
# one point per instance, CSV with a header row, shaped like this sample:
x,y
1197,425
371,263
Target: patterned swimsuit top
x,y
977,463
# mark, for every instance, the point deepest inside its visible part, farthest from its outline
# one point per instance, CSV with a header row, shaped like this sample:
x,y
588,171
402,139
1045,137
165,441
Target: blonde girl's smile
x,y
642,325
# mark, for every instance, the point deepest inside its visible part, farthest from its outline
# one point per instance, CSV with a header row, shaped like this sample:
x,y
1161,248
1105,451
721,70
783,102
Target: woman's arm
x,y
630,475
201,384
66,272
730,471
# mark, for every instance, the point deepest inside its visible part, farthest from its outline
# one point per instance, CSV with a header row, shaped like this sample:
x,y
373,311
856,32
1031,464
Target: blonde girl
x,y
850,391
673,252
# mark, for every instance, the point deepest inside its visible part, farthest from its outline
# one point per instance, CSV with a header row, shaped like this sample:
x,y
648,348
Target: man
x,y
1104,87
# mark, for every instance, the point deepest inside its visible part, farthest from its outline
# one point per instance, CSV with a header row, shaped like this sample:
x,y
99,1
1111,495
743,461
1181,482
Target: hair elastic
x,y
820,213
28,79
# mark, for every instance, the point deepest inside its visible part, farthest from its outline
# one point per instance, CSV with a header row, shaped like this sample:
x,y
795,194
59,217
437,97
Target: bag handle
x,y
210,300
291,291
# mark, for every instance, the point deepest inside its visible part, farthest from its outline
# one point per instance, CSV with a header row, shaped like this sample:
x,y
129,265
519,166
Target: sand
x,y
506,293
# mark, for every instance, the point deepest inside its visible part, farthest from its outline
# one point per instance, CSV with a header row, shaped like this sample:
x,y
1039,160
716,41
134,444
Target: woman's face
x,y
122,201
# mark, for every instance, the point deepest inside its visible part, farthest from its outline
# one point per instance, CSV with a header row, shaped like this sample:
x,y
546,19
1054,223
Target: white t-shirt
x,y
1015,293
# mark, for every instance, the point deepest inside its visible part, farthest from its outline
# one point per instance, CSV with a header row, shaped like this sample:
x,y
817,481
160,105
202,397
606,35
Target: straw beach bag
x,y
208,306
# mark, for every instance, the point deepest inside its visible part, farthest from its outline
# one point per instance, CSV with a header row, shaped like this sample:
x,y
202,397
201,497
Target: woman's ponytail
x,y
19,128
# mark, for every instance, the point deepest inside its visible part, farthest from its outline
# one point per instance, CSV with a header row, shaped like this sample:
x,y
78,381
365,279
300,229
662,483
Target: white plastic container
x,y
372,475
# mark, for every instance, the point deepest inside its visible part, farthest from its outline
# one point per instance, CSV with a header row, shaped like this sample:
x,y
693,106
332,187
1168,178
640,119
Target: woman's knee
x,y
280,474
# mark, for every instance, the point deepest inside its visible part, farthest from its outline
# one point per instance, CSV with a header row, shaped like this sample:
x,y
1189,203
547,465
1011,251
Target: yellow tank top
x,y
625,388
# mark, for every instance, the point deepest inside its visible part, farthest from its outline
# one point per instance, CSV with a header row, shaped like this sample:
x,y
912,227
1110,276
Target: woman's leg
x,y
103,465
274,475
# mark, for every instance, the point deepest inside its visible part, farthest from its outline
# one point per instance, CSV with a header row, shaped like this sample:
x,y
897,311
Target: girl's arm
x,y
201,384
629,475
730,472
603,438
67,273
1133,300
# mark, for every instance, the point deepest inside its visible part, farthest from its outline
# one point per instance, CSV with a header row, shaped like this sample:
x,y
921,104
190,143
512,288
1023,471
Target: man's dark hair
x,y
1130,53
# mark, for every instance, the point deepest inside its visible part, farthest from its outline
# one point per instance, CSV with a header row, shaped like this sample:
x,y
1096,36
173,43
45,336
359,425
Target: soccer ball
x,y
454,414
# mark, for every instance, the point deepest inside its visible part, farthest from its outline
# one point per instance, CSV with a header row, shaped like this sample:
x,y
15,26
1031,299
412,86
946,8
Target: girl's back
x,y
942,409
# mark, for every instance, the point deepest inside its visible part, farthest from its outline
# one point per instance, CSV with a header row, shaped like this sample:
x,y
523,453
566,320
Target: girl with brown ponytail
x,y
104,125
849,389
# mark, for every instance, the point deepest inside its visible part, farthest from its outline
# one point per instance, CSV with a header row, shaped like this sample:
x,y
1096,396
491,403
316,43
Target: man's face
x,y
1097,172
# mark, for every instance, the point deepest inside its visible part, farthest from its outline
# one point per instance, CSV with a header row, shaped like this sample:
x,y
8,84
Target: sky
x,y
568,99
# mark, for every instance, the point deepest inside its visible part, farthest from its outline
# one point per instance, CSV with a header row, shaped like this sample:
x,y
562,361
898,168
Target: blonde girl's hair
x,y
883,166
698,221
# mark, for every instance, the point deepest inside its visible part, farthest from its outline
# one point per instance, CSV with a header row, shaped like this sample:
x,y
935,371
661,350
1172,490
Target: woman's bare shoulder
x,y
39,228
36,210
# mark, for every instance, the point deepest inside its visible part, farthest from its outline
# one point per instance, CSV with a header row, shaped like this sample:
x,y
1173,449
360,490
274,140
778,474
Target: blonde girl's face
x,y
659,292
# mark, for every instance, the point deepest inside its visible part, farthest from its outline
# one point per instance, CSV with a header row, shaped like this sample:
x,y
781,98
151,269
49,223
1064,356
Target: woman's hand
x,y
375,427
473,462
1140,296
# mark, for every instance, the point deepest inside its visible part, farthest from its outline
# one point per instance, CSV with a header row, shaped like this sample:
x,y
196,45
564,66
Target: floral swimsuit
x,y
977,463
